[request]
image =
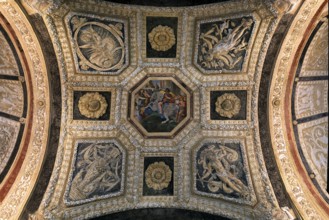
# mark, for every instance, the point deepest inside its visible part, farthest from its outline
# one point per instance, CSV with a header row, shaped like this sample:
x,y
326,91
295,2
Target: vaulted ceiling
x,y
168,109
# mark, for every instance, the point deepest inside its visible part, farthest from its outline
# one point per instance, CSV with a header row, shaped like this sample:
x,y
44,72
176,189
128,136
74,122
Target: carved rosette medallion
x,y
222,45
99,44
158,176
92,105
228,105
162,38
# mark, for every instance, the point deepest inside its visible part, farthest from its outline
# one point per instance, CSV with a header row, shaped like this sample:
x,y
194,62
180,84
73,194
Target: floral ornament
x,y
158,176
92,105
228,105
162,38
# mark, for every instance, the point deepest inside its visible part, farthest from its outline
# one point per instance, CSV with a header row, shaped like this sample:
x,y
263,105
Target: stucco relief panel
x,y
313,137
222,44
8,65
221,170
316,59
311,98
11,97
96,172
99,44
8,136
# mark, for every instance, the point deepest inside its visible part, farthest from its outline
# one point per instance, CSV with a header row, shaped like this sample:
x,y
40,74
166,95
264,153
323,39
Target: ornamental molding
x,y
13,204
299,193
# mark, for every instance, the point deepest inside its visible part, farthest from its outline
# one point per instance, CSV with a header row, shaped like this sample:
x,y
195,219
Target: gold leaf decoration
x,y
162,38
228,105
158,176
92,105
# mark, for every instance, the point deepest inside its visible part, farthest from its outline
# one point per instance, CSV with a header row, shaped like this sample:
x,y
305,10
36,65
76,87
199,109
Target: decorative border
x,y
74,157
13,204
285,155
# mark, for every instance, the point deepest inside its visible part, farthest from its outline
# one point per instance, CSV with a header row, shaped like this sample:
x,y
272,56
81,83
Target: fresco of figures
x,y
160,105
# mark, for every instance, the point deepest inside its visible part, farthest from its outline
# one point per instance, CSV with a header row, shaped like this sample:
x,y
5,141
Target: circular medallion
x,y
162,38
92,105
228,105
158,176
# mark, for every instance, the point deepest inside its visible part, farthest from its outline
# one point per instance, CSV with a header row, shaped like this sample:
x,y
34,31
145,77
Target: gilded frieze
x,y
296,181
19,188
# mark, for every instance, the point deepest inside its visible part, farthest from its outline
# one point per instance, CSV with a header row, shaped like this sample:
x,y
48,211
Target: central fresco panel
x,y
147,93
159,106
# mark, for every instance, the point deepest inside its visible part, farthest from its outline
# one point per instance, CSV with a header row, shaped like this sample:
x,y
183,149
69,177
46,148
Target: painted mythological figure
x,y
98,171
160,107
218,172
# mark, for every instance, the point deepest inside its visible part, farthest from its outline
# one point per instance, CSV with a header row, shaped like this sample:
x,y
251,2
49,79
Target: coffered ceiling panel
x,y
156,97
216,109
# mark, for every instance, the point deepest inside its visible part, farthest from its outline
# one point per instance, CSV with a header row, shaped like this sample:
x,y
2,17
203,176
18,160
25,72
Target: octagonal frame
x,y
131,107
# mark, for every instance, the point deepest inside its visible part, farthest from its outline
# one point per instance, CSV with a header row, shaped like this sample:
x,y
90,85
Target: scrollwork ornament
x,y
228,105
162,38
158,176
92,105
